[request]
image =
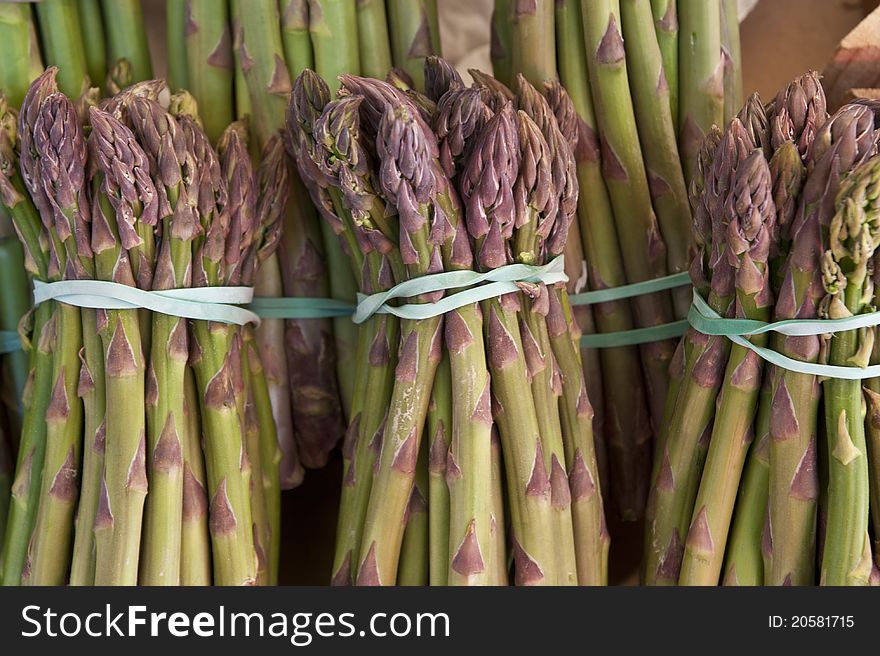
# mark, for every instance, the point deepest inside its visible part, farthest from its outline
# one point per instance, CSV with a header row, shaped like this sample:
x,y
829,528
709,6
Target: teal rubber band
x,y
220,304
701,315
628,291
300,308
635,336
481,286
9,341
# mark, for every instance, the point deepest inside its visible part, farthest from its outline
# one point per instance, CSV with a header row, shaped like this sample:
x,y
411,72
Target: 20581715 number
x,y
822,621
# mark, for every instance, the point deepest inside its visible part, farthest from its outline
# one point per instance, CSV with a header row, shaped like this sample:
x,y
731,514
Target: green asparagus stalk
x,y
216,360
532,41
854,236
743,558
37,334
701,77
94,42
55,160
115,220
15,65
374,41
440,432
16,303
641,243
6,473
627,416
209,70
666,27
414,549
486,186
91,388
793,474
128,37
62,39
679,461
314,134
273,186
750,230
414,27
401,140
164,142
498,562
501,44
195,543
175,35
731,58
261,53
650,93
331,24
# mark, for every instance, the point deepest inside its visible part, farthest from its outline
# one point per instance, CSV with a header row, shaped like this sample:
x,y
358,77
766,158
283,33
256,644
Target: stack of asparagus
x,y
148,451
240,59
644,99
458,179
750,486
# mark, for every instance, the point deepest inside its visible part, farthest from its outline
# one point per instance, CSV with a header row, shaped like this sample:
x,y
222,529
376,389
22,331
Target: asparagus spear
x,y
666,27
94,42
501,43
414,27
679,460
743,558
405,153
626,409
440,431
750,230
38,334
641,244
342,137
486,186
731,58
272,188
62,40
175,35
578,276
331,25
209,69
128,38
650,94
374,42
174,179
115,218
55,161
701,76
854,237
414,549
800,109
15,65
216,360
295,35
6,473
532,41
16,303
195,542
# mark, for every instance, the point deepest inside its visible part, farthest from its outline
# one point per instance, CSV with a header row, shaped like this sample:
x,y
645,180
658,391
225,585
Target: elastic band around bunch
x,y
481,286
638,335
220,304
268,307
9,342
705,320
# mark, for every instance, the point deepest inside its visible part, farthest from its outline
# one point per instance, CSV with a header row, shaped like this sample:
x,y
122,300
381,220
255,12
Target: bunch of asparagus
x,y
751,487
644,100
239,58
462,415
148,452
